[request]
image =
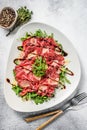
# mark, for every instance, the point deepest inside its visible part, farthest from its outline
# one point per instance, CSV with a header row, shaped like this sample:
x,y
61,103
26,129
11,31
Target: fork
x,y
29,119
72,103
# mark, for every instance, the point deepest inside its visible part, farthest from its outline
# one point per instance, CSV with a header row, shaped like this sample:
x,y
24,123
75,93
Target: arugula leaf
x,y
67,80
25,37
39,67
26,97
36,98
16,89
51,36
20,48
41,34
63,79
14,73
60,45
41,99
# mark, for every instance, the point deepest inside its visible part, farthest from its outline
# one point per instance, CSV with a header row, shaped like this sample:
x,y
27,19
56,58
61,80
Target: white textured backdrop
x,y
70,17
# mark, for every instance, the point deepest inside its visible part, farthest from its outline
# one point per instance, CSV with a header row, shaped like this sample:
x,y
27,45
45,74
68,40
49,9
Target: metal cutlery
x,y
72,103
83,95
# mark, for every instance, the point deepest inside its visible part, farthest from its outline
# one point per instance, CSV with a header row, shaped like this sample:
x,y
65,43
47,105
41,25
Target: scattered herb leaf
x,y
16,89
20,48
25,37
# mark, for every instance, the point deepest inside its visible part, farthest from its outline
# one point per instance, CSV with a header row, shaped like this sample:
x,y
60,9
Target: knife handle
x,y
29,119
50,120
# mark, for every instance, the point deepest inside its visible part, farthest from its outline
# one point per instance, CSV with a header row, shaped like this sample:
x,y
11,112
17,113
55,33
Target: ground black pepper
x,y
7,17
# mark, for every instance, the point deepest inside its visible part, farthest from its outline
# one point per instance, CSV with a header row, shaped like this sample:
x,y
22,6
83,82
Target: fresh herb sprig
x,y
24,15
39,67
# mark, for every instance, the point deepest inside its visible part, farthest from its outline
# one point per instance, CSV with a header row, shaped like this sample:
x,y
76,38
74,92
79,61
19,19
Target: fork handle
x,y
29,119
50,120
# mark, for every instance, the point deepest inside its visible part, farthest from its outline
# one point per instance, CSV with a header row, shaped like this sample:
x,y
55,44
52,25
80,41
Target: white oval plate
x,y
61,95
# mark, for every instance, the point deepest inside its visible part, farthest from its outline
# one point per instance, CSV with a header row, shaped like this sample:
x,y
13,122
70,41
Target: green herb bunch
x,y
39,67
24,15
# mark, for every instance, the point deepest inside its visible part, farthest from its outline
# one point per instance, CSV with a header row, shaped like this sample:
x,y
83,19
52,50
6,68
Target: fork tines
x,y
78,98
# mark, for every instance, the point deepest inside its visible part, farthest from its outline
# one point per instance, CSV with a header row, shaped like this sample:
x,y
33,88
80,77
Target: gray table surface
x,y
70,17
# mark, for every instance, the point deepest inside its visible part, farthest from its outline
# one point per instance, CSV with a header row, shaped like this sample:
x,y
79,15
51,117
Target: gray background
x,y
70,17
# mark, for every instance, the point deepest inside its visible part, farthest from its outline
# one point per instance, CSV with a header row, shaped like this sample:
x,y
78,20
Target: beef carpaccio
x,y
41,67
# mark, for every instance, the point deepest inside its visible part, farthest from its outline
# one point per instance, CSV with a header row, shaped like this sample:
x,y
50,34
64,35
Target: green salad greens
x,y
39,67
17,89
38,33
36,98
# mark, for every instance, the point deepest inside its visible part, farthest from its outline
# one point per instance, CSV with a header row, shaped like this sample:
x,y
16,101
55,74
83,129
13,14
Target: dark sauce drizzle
x,y
69,72
8,80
